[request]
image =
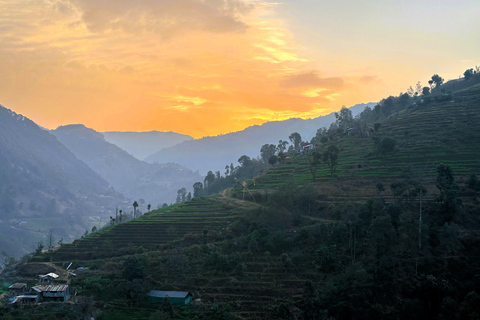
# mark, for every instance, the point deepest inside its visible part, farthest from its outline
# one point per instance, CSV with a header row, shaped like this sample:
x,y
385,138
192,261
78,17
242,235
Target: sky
x,y
209,67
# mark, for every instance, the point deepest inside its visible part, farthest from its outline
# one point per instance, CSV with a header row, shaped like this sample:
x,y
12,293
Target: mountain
x,y
213,153
154,183
392,233
43,186
143,144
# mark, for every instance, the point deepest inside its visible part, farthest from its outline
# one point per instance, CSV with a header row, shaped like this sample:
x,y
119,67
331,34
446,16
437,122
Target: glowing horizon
x,y
210,67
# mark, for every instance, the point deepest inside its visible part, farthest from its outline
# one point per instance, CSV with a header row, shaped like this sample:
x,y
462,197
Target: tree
x,y
418,88
167,307
376,126
244,161
181,194
267,151
282,146
330,157
388,106
135,206
209,180
437,80
387,145
344,118
468,74
133,268
416,178
314,159
447,198
473,183
426,91
197,189
273,160
189,196
149,206
50,238
411,91
296,139
39,249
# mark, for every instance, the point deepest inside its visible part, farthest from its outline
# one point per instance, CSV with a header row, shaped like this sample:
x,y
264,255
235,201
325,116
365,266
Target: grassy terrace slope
x,y
155,229
258,255
426,135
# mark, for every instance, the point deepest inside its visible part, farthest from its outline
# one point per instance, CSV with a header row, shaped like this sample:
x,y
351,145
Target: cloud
x,y
369,79
312,80
167,18
226,65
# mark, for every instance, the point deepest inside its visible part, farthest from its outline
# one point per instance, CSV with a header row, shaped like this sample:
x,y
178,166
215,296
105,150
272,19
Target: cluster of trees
x,y
472,73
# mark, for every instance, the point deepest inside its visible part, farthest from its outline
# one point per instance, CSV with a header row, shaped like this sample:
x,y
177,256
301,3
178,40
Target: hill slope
x,y
358,243
213,153
43,186
144,144
155,183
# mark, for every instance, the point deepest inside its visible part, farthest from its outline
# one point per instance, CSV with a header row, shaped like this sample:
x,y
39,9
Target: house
x,y
179,298
47,278
18,300
17,289
307,147
54,292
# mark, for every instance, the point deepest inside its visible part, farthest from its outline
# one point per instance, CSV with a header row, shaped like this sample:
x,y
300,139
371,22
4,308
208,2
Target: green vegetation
x,y
379,221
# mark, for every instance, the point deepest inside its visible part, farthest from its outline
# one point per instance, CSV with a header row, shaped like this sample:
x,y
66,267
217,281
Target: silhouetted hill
x,y
393,233
43,185
155,183
213,153
144,144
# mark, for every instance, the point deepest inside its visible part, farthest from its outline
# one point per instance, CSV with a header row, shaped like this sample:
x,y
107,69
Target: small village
x,y
54,287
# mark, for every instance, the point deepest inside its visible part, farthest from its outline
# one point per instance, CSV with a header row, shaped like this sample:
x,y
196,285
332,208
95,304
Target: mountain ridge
x,y
136,179
43,186
214,152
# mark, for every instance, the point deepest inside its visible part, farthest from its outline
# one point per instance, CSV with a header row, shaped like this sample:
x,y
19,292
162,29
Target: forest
x,y
376,217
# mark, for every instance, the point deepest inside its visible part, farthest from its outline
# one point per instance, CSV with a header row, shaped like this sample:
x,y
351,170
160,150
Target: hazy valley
x,y
371,214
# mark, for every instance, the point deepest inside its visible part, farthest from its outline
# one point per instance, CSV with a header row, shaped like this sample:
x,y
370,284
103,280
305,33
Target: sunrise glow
x,y
212,67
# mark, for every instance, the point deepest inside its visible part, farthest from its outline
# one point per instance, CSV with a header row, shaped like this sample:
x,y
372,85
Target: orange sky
x,y
207,67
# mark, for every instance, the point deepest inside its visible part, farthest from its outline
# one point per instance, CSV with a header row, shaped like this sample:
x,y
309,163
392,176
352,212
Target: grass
x,y
437,133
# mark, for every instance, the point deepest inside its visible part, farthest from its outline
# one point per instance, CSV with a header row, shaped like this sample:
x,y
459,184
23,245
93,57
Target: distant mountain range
x,y
213,153
43,186
67,180
144,144
155,183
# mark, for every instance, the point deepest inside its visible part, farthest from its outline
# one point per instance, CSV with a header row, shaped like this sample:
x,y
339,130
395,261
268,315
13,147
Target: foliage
x,y
267,151
387,145
468,74
314,158
437,80
330,157
296,139
473,183
133,268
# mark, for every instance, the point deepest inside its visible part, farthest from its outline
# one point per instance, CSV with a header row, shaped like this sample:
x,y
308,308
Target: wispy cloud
x,y
200,67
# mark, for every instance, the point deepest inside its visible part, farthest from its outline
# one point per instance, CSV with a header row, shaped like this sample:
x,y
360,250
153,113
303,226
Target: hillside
x,y
43,187
388,230
155,183
144,144
213,153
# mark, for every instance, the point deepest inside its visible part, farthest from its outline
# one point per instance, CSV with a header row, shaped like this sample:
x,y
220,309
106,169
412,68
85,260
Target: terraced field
x,y
426,136
155,229
259,282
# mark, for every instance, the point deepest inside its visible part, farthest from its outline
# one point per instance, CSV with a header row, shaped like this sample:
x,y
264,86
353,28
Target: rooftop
x,y
170,294
17,286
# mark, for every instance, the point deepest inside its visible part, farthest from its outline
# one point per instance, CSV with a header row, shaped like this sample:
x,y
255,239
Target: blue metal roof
x,y
170,294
